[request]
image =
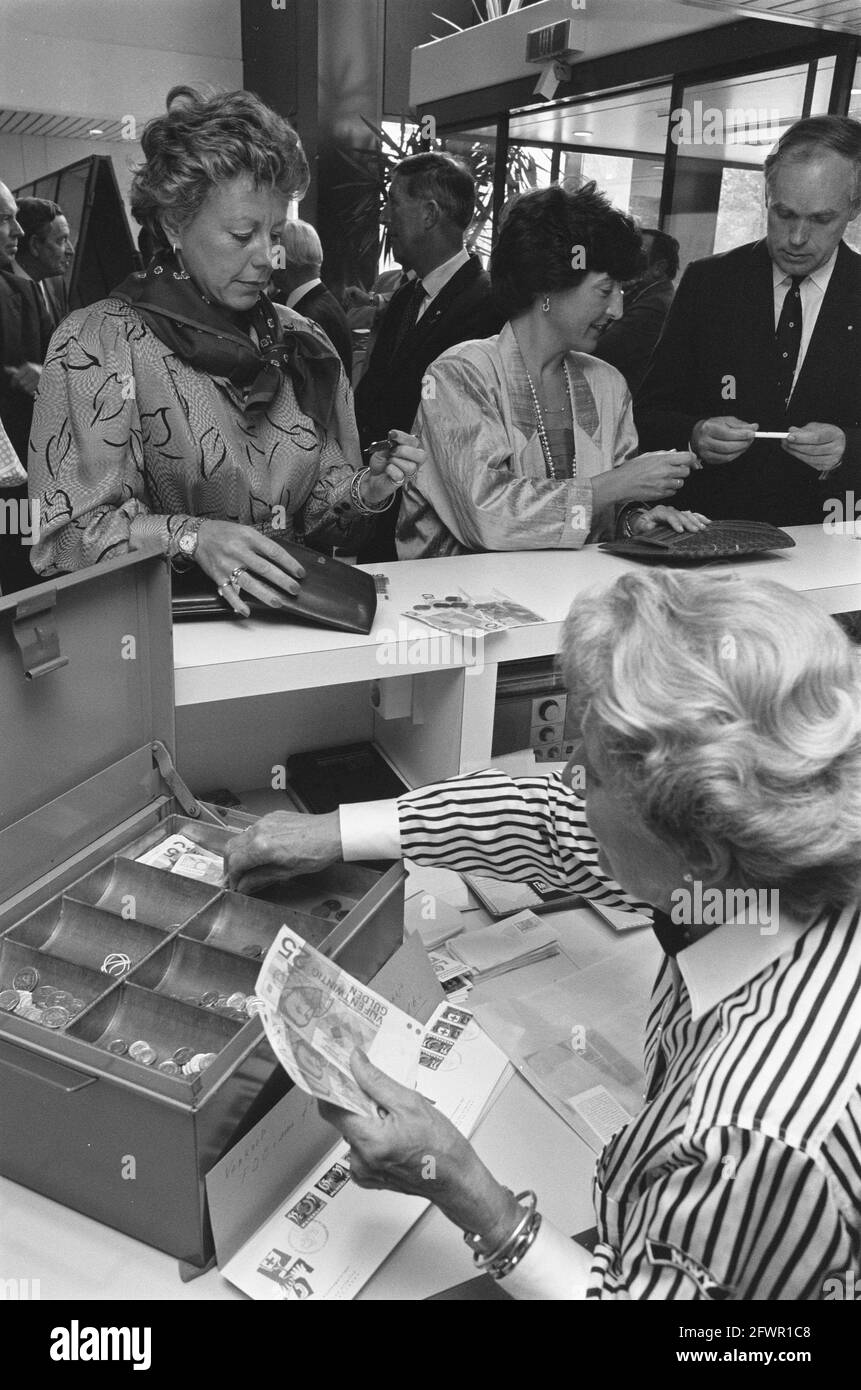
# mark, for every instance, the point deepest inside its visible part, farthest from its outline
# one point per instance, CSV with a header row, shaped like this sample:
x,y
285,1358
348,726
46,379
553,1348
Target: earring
x,y
545,304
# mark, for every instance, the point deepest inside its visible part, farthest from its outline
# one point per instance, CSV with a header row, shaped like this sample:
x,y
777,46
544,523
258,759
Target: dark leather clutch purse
x,y
332,594
720,540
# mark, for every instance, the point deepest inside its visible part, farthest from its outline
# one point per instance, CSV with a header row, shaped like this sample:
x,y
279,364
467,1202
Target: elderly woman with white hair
x,y
721,723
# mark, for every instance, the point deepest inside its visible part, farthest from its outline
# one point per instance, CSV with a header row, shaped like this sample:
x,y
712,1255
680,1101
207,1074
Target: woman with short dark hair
x,y
187,410
530,442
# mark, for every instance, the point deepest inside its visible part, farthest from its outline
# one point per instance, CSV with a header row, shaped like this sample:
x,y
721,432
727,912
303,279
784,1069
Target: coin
x,y
252,950
332,904
209,998
236,1001
141,1051
222,1002
25,997
169,1068
41,995
116,963
56,1017
199,1062
30,1011
183,1055
118,1046
253,1006
60,999
28,978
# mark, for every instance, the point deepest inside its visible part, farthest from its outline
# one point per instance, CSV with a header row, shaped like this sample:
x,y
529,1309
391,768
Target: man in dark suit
x,y
45,253
629,342
24,333
767,338
297,278
431,203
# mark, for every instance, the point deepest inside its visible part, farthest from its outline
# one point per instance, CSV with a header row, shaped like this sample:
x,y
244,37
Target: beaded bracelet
x,y
356,497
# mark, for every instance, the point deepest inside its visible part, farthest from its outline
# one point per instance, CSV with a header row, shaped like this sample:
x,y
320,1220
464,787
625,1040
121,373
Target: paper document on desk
x,y
579,1041
315,1014
516,941
328,1237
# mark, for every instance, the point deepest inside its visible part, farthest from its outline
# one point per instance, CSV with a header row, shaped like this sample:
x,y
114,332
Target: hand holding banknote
x,y
407,1145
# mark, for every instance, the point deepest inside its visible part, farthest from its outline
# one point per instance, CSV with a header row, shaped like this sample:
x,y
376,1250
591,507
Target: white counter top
x,y
232,660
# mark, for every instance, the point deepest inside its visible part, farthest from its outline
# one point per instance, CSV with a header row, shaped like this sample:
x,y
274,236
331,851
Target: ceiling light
x,y
581,135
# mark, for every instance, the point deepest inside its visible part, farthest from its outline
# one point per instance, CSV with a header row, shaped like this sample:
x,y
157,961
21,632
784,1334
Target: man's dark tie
x,y
788,337
410,314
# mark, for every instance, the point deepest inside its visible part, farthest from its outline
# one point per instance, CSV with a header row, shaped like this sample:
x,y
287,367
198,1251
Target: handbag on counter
x,y
720,540
332,594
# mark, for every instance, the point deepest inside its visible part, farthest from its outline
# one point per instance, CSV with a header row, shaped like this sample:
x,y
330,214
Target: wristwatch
x,y
187,543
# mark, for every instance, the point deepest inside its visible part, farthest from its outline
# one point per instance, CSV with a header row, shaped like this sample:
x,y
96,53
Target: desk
x,y
521,1139
249,693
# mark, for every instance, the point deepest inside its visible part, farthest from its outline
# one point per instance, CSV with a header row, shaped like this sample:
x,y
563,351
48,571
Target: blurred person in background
x,y
629,342
430,205
46,253
25,330
299,286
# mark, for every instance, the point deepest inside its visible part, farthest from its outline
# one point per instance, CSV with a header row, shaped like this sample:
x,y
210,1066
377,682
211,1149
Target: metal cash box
x,y
88,785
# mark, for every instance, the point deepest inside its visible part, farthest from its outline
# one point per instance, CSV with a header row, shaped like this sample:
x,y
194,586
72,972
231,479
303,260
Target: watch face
x,y
188,544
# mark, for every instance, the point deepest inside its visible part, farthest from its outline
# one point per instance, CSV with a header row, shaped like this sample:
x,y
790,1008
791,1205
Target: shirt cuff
x,y
370,830
553,1268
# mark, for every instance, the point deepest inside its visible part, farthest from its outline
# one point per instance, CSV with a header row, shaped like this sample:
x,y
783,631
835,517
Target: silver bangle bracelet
x,y
504,1267
509,1244
356,497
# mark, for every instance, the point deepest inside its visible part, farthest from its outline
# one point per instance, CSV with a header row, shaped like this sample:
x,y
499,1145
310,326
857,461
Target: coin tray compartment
x,y
208,836
57,974
84,935
133,1014
235,922
156,898
311,893
186,967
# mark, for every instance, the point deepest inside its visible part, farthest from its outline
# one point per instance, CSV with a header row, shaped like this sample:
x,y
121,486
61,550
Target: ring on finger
x,y
234,576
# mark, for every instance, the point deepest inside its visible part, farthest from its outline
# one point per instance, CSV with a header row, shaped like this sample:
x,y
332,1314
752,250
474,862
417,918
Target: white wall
x,y
106,59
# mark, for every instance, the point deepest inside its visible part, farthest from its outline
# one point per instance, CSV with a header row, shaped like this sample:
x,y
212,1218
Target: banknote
x,y
180,855
315,1015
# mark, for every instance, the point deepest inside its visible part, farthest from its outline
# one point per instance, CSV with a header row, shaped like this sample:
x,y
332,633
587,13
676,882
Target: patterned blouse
x,y
129,442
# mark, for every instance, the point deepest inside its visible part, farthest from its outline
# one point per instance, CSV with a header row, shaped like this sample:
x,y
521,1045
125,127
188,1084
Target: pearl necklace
x,y
542,431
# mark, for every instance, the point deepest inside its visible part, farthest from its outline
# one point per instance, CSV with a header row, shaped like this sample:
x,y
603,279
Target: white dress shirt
x,y
437,280
300,291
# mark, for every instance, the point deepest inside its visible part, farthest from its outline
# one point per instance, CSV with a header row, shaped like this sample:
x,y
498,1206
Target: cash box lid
x,y
86,687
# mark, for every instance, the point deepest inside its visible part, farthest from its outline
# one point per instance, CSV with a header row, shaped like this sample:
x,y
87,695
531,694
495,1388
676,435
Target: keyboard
x,y
720,540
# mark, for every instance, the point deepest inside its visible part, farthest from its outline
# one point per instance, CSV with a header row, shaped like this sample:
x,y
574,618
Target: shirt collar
x,y
819,277
437,279
717,965
300,292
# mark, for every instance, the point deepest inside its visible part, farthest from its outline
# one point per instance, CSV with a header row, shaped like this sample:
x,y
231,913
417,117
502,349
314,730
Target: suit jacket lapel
x,y
833,348
757,309
448,295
